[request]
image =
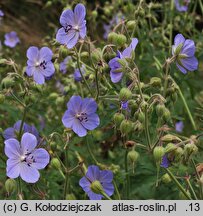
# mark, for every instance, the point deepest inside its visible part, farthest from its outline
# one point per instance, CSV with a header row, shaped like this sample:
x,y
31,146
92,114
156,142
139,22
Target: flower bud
x,y
178,153
144,105
170,147
131,24
96,187
7,82
96,55
126,127
166,115
158,154
70,197
53,96
55,163
189,149
160,108
170,138
10,185
94,14
112,36
133,156
166,178
141,117
125,94
53,145
121,40
59,101
174,97
2,98
155,82
138,126
118,118
84,54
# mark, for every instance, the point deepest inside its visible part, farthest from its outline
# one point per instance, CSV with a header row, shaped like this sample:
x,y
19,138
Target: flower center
x,y
82,117
68,28
42,64
28,158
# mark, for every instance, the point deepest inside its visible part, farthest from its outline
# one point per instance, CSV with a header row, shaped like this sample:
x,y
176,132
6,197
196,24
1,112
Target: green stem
x,y
127,175
116,189
22,123
187,109
178,184
171,24
90,152
17,99
67,174
20,194
201,6
147,129
78,64
106,196
191,188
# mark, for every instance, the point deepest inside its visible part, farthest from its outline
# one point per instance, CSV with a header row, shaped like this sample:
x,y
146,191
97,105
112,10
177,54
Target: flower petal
x,y
41,157
115,77
128,51
12,148
45,54
85,184
106,176
93,173
92,121
68,119
28,142
28,173
38,77
182,69
73,40
83,30
108,188
30,70
13,168
179,39
94,196
188,48
49,71
67,18
78,128
33,53
190,63
79,13
61,36
89,106
9,133
75,103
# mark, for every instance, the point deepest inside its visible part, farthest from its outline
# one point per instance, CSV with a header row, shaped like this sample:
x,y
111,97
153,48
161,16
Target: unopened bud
x,y
170,138
158,154
125,94
167,115
155,81
10,185
126,127
178,153
141,117
189,149
131,24
7,82
59,101
55,163
133,156
170,147
112,36
160,108
166,178
121,40
118,118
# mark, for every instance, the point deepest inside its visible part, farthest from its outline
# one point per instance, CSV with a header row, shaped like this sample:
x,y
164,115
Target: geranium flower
x,y
179,126
39,64
1,13
80,115
77,76
11,39
184,51
97,181
23,159
12,132
182,5
165,162
63,65
116,73
73,26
